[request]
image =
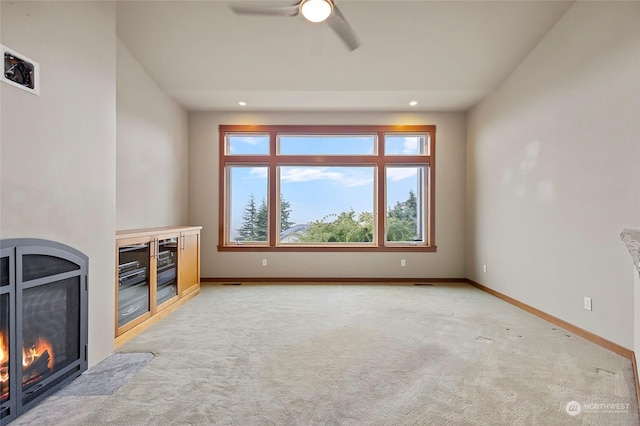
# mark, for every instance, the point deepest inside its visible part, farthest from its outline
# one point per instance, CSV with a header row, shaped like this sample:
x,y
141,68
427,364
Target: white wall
x,y
152,150
450,203
58,149
553,172
636,307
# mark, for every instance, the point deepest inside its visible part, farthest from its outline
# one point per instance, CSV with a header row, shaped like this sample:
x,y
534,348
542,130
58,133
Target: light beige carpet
x,y
365,355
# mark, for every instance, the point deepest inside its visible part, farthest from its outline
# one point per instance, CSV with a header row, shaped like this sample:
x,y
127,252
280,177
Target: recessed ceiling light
x,y
242,103
413,103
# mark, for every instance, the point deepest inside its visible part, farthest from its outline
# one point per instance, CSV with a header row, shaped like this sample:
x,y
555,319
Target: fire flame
x,y
4,368
33,352
4,352
30,355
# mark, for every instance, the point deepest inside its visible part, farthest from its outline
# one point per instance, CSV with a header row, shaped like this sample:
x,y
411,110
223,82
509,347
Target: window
x,y
327,188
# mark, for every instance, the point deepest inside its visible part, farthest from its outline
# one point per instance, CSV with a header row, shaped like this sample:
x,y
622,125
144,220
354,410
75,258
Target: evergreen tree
x,y
248,229
411,212
285,212
402,220
262,222
255,225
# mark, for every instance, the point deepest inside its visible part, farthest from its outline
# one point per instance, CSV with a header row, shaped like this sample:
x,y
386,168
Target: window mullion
x,y
407,159
244,159
223,207
223,188
273,190
312,160
380,201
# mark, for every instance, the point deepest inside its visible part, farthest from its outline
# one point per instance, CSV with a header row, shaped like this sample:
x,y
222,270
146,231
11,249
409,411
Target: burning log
x,y
4,372
37,368
4,381
4,369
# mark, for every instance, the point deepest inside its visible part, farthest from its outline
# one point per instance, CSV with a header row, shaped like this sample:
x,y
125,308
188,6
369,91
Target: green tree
x,y
344,228
248,231
412,210
398,230
255,219
262,222
285,213
402,220
255,225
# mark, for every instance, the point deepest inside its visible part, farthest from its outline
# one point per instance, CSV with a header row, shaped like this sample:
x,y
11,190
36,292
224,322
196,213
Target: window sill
x,y
342,249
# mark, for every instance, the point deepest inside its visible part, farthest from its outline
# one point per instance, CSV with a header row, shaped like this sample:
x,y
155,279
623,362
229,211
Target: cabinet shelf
x,y
133,248
132,277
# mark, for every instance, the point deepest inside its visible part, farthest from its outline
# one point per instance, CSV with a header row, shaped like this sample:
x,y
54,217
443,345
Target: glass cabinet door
x,y
167,261
133,282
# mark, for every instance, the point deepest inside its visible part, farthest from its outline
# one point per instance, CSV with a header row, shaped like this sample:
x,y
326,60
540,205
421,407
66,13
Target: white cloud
x,y
399,173
251,140
349,178
411,145
352,181
246,140
259,172
307,174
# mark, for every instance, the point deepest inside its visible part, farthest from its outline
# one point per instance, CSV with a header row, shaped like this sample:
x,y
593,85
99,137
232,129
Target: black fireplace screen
x,y
43,325
50,329
4,348
7,334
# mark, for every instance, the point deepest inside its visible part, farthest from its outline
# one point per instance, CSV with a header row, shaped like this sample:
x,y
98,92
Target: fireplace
x,y
43,321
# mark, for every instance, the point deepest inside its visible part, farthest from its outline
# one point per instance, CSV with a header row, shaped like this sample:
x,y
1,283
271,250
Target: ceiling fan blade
x,y
339,24
262,8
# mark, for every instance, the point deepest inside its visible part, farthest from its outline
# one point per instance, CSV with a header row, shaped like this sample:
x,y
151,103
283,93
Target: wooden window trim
x,y
379,160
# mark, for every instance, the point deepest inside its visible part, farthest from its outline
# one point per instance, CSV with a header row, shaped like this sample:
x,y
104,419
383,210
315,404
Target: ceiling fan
x,y
313,10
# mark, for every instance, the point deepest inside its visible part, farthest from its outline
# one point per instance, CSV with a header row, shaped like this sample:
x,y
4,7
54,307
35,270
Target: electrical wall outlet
x,y
484,269
264,262
403,262
587,303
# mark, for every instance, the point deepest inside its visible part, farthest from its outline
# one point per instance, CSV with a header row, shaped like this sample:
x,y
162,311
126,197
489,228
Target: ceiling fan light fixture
x,y
316,10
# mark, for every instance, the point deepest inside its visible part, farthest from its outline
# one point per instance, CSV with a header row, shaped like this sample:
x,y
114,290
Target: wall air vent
x,y
20,71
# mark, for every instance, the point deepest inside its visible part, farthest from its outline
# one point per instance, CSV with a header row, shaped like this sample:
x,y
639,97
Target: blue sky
x,y
316,191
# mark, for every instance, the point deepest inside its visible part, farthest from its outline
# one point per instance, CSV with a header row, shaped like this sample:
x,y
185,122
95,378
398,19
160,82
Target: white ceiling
x,y
447,55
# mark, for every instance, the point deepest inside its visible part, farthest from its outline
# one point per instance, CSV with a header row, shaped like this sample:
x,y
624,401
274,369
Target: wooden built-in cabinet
x,y
157,270
190,266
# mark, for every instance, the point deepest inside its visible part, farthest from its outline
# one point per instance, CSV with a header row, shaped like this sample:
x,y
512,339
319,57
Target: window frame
x,y
378,160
